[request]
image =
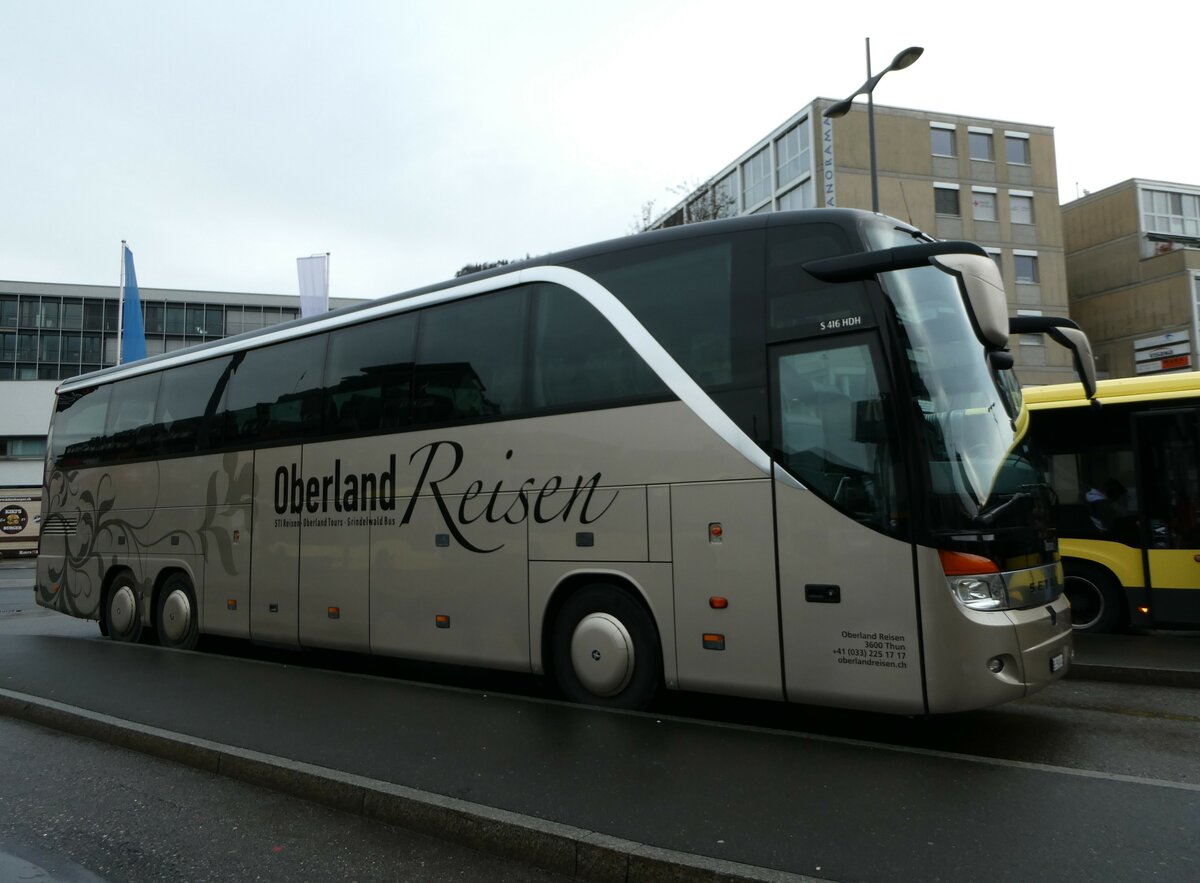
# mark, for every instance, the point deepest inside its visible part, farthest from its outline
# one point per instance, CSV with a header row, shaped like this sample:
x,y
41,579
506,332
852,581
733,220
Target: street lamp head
x,y
838,110
905,58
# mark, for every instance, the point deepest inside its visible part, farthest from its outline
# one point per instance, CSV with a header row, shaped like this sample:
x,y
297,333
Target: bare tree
x,y
707,201
468,269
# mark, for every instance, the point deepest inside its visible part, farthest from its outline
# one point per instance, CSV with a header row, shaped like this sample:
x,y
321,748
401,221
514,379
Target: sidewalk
x,y
1169,659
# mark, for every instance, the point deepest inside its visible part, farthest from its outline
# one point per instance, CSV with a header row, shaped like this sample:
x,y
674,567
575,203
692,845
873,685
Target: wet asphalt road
x,y
1104,776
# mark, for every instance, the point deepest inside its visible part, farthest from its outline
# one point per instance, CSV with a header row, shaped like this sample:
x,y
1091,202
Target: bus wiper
x,y
988,516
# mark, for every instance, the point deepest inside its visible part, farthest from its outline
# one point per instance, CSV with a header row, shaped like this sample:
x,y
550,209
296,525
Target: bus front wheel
x,y
175,616
606,650
1097,603
122,610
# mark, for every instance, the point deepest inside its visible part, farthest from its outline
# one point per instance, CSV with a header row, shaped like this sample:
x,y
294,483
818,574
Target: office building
x,y
955,177
1133,271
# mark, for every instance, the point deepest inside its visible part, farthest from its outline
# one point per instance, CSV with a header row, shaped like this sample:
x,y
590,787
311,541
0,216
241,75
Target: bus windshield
x,y
968,419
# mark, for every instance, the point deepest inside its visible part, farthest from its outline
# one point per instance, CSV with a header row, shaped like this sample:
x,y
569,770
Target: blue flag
x,y
133,335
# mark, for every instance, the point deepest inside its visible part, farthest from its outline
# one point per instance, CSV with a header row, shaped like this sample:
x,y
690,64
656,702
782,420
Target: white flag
x,y
314,284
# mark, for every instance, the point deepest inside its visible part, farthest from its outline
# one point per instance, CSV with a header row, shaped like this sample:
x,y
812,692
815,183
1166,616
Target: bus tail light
x,y
975,581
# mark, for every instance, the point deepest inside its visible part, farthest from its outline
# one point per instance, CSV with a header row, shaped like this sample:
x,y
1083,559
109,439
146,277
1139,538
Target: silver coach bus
x,y
777,456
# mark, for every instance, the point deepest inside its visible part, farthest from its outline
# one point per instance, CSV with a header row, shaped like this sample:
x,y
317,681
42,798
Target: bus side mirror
x,y
1065,333
984,290
1081,349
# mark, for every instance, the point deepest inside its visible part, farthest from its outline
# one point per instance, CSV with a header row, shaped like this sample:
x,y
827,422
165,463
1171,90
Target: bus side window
x,y
129,430
580,360
687,295
187,404
368,377
470,359
1167,445
78,429
275,394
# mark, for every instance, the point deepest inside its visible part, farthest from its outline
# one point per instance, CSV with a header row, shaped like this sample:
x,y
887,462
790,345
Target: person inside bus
x,y
1106,505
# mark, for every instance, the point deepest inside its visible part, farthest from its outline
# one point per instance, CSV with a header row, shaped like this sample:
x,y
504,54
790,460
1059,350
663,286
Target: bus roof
x,y
1125,389
842,217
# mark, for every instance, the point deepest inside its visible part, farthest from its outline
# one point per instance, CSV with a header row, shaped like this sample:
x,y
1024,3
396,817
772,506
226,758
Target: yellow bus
x,y
1127,477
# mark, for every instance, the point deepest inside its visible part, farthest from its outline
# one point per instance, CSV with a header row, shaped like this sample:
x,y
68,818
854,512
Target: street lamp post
x,y
901,61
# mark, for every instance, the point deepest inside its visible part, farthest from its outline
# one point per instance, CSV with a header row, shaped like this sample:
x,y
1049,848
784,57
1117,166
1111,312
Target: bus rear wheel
x,y
1097,603
175,616
605,649
122,610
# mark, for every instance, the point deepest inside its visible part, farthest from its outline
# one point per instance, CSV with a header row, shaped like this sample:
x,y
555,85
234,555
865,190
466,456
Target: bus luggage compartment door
x,y
275,546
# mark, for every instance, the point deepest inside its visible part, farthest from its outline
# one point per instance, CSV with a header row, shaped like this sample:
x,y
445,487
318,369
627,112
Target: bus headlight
x,y
981,591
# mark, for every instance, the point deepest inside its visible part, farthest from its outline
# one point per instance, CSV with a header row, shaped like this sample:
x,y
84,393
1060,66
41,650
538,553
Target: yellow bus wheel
x,y
1097,603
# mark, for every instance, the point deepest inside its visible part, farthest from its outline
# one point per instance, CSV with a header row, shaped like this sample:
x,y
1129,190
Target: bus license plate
x,y
1057,662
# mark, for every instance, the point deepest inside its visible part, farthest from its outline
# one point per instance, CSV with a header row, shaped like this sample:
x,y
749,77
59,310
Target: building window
x,y
756,178
793,154
1020,207
725,196
1016,148
27,347
798,197
23,448
1026,265
942,141
983,202
980,141
93,315
1173,213
713,202
945,200
49,349
154,317
1031,339
72,314
994,254
214,321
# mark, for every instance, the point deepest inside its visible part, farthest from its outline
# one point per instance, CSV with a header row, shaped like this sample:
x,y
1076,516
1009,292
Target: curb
x,y
1123,674
564,849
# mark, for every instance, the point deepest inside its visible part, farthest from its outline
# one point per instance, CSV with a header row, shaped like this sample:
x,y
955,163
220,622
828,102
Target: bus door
x,y
275,546
1169,506
847,594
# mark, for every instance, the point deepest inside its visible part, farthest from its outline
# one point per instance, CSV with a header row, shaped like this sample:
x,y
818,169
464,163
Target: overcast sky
x,y
225,139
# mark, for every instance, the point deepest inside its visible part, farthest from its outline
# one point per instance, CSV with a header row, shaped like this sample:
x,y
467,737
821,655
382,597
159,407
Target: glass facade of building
x,y
50,337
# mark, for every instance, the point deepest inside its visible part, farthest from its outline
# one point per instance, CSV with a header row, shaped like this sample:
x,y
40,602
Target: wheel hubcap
x,y
176,615
1087,601
602,654
122,610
